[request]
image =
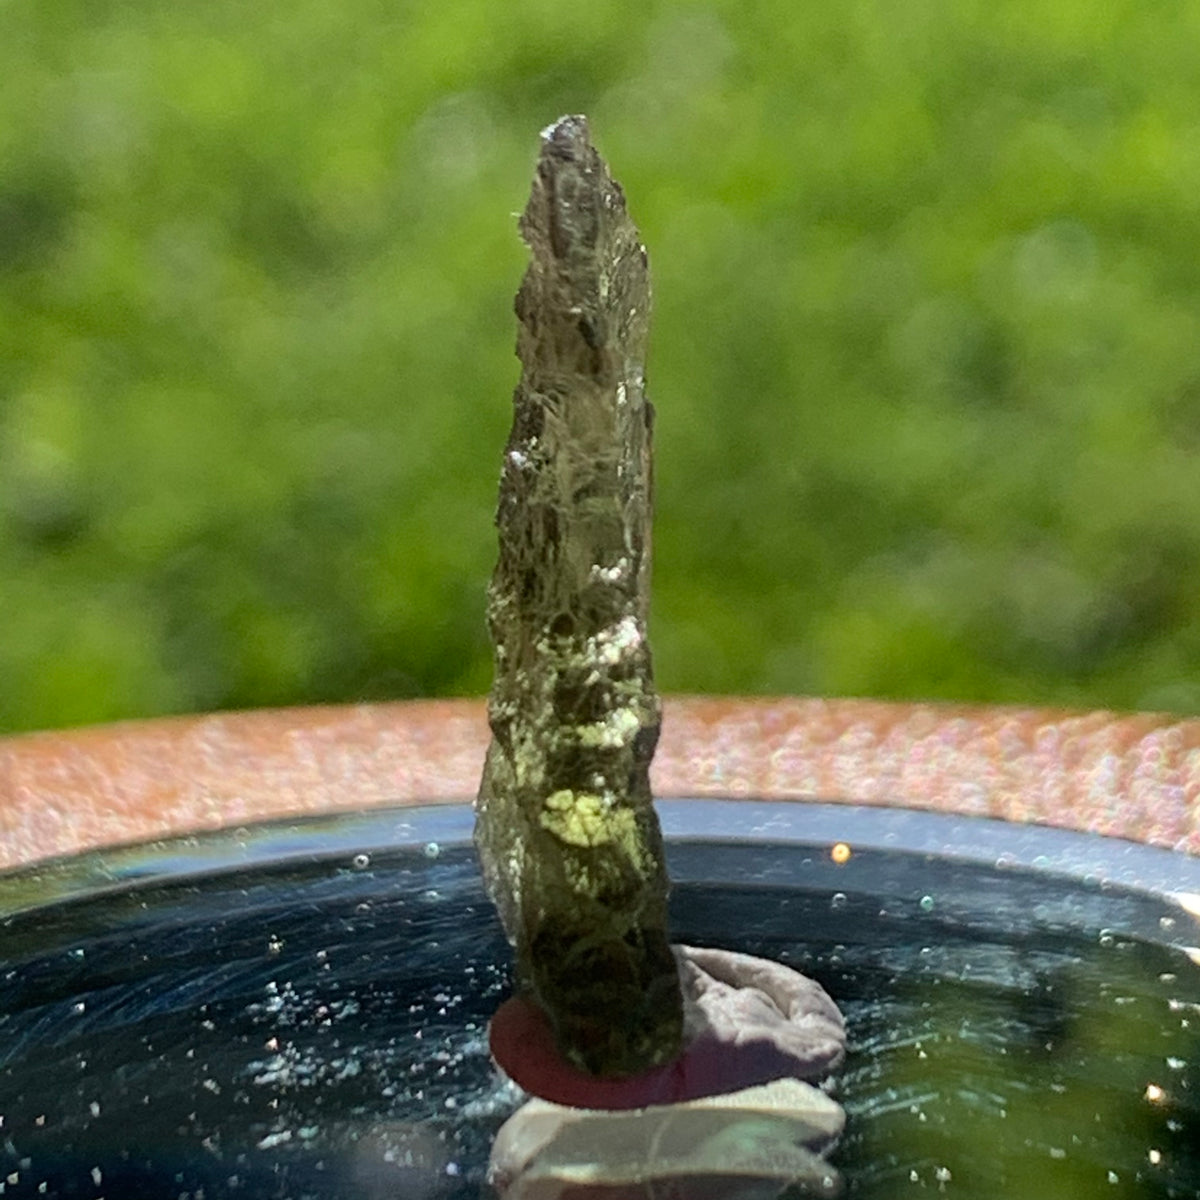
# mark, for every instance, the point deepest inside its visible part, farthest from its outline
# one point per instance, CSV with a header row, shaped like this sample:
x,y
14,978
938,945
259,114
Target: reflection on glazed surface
x,y
318,1027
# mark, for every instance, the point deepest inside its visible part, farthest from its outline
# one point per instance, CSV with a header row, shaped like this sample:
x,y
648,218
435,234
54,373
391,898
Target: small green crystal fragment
x,y
567,834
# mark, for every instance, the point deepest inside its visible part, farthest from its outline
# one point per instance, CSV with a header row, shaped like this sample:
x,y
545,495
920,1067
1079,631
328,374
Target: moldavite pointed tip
x,y
568,838
568,133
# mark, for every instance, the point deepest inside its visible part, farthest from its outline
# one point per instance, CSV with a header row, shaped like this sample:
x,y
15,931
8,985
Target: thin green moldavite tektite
x,y
569,840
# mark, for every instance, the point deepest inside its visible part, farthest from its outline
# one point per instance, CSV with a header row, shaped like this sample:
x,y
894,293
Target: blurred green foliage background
x,y
926,356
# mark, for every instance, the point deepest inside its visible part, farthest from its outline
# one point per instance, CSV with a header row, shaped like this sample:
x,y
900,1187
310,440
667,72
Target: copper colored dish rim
x,y
1133,776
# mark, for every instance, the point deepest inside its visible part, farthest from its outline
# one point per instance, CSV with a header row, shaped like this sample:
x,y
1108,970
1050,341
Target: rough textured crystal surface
x,y
569,841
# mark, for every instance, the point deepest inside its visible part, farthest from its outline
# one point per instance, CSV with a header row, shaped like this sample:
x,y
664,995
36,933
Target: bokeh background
x,y
926,355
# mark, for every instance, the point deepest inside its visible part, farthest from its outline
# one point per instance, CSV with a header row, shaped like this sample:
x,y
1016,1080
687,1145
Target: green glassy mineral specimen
x,y
569,841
